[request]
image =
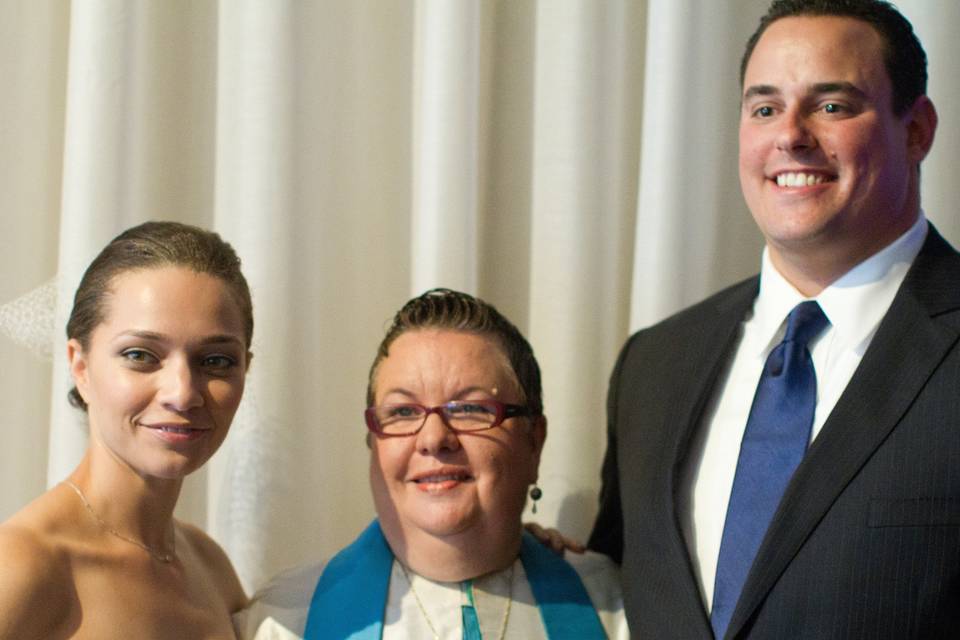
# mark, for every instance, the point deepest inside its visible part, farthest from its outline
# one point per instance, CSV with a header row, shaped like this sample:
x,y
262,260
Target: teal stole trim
x,y
468,613
565,607
351,595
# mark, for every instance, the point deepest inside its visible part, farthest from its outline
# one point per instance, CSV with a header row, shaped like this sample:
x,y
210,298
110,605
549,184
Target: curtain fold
x,y
579,207
33,61
101,72
446,122
935,23
255,200
572,161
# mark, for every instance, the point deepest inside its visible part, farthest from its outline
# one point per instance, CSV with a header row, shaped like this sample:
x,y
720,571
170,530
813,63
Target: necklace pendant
x,y
160,556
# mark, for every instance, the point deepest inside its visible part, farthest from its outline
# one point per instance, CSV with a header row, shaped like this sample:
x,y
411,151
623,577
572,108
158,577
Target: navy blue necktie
x,y
774,442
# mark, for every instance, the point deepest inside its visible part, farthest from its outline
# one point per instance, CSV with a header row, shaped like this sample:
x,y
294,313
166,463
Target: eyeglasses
x,y
459,416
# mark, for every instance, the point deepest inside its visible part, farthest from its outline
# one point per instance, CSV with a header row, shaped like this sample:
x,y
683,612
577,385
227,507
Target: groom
x,y
784,457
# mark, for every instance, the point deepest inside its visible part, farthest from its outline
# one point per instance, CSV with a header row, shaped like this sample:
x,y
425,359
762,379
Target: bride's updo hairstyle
x,y
153,245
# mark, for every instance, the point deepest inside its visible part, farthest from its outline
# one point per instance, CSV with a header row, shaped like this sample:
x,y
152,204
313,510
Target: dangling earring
x,y
535,494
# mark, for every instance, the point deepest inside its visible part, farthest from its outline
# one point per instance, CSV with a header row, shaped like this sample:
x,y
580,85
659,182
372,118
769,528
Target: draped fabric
x,y
571,161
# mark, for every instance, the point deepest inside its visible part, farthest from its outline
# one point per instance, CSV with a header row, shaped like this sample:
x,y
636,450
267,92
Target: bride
x,y
158,348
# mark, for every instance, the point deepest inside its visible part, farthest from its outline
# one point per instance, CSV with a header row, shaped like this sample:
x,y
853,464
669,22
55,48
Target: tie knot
x,y
805,322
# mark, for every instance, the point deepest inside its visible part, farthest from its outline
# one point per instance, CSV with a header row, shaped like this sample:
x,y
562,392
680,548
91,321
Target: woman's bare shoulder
x,y
36,585
212,556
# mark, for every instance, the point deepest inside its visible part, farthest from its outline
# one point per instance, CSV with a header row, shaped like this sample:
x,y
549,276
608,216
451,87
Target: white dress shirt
x,y
854,304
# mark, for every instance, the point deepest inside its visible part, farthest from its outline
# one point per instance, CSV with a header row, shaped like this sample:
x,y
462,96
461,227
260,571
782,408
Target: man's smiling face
x,y
827,170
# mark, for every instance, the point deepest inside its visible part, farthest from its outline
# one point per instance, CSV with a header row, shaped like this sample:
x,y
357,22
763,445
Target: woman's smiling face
x,y
164,371
439,482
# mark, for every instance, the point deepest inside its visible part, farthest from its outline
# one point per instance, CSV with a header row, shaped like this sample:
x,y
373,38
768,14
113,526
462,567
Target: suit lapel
x,y
716,338
710,357
908,346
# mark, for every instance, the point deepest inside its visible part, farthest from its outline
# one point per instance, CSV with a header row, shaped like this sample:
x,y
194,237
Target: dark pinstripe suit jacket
x,y
866,542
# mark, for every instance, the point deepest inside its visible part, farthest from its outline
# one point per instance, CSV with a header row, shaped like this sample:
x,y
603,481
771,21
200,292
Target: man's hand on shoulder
x,y
554,539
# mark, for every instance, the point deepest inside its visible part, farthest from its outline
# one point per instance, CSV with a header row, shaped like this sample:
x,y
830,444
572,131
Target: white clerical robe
x,y
279,610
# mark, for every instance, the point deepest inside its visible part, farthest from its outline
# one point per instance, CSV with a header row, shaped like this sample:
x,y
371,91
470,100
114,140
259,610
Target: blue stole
x,y
351,595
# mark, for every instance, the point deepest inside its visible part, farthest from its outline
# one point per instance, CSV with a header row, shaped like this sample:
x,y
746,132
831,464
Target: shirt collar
x,y
854,303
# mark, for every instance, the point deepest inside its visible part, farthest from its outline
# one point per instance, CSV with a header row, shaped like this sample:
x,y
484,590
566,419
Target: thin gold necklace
x,y
158,555
423,610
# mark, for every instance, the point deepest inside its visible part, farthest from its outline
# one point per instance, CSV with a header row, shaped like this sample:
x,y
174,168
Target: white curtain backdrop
x,y
572,161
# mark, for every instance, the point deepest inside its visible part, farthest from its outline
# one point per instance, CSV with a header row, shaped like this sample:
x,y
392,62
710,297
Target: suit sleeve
x,y
607,535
